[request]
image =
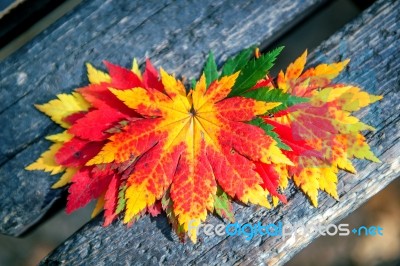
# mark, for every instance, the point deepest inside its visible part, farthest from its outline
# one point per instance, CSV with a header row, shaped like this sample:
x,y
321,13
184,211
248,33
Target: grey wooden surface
x,y
372,41
96,30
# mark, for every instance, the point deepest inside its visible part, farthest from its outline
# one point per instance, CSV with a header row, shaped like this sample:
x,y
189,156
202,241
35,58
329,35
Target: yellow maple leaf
x,y
65,105
46,161
325,124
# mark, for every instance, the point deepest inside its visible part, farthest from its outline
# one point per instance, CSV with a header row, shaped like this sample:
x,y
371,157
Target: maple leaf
x,y
65,105
172,140
222,205
237,62
321,133
180,146
46,162
141,142
254,70
210,69
58,110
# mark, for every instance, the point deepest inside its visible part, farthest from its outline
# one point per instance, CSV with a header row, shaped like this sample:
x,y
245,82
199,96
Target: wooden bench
x,y
54,62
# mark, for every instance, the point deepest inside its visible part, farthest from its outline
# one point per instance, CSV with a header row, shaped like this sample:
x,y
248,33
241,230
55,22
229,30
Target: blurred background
x,y
383,209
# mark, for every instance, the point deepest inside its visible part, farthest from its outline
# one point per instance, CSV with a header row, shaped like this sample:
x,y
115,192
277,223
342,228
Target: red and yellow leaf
x,y
65,105
324,124
142,142
47,161
86,186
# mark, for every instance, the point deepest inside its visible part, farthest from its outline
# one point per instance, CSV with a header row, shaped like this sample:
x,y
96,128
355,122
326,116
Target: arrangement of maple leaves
x,y
141,142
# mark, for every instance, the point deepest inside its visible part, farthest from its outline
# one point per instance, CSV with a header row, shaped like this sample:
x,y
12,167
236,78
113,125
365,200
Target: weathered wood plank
x,y
373,43
175,34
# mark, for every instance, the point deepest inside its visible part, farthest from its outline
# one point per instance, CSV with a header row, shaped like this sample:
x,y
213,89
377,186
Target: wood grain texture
x,y
373,43
174,34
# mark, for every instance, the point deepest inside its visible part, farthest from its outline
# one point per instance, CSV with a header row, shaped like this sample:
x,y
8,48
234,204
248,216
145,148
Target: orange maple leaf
x,y
140,142
322,133
190,142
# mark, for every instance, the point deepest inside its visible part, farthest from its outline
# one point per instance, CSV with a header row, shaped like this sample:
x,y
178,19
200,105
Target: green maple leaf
x,y
254,70
274,95
237,62
210,69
